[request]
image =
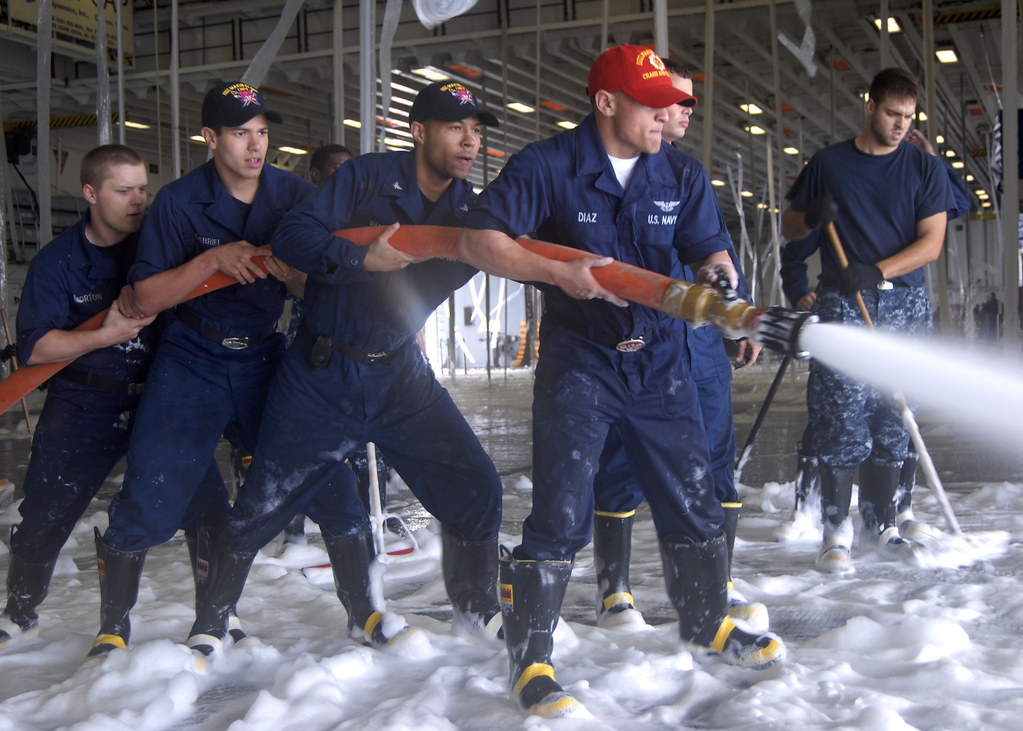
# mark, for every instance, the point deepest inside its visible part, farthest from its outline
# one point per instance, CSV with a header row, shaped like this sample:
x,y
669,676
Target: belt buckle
x,y
631,345
235,343
884,285
374,357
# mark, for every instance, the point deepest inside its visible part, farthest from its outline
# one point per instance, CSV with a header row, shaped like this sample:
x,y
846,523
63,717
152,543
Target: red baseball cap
x,y
638,72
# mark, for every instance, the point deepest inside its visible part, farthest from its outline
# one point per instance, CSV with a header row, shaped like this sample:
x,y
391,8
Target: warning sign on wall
x,y
76,20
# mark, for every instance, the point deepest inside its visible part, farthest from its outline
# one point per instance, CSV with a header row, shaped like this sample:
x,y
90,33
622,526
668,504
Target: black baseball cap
x,y
448,101
232,104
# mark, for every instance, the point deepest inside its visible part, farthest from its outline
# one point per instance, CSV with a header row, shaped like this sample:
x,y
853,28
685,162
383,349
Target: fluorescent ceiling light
x,y
940,139
946,55
565,124
198,138
136,125
958,164
717,182
396,142
893,25
922,116
431,73
746,194
293,150
755,130
950,153
791,150
521,108
751,108
353,123
401,87
969,178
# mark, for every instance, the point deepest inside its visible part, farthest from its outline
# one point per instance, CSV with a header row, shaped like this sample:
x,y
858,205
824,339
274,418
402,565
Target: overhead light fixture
x,y
790,150
431,73
755,130
397,142
893,25
353,123
969,178
717,182
950,153
136,125
762,206
399,112
406,89
401,100
751,108
520,108
293,150
958,164
198,138
946,55
985,204
565,124
746,194
940,139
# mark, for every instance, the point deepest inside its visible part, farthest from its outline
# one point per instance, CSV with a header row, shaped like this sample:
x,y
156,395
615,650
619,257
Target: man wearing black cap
x,y
219,351
355,374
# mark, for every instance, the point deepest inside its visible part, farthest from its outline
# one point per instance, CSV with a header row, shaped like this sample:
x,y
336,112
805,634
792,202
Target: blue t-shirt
x,y
880,200
196,213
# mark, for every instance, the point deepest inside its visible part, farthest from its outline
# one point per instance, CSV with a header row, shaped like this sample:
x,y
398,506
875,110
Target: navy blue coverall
x,y
564,190
376,386
198,386
90,405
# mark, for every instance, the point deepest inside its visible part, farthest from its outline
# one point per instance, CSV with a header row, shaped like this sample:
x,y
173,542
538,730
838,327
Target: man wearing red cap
x,y
614,188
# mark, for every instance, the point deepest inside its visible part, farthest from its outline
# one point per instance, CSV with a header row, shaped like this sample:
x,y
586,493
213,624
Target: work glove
x,y
859,276
820,210
718,273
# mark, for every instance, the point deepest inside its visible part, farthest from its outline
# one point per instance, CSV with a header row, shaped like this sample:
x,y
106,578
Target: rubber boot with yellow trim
x,y
612,551
470,577
219,580
751,614
696,576
350,559
27,585
531,595
120,573
200,551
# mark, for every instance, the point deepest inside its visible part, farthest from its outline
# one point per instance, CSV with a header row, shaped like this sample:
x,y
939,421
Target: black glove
x,y
819,211
859,276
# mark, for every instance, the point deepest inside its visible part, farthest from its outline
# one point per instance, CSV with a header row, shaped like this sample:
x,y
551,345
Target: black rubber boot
x,y
119,575
695,575
836,493
295,532
531,597
879,485
807,482
753,614
350,559
612,552
200,553
470,577
219,580
27,587
907,481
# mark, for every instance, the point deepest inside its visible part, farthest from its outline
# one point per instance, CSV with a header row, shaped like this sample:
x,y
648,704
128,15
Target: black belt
x,y
347,350
88,378
231,342
627,345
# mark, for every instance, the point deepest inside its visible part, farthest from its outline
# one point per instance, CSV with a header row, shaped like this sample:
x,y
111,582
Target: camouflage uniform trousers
x,y
852,421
